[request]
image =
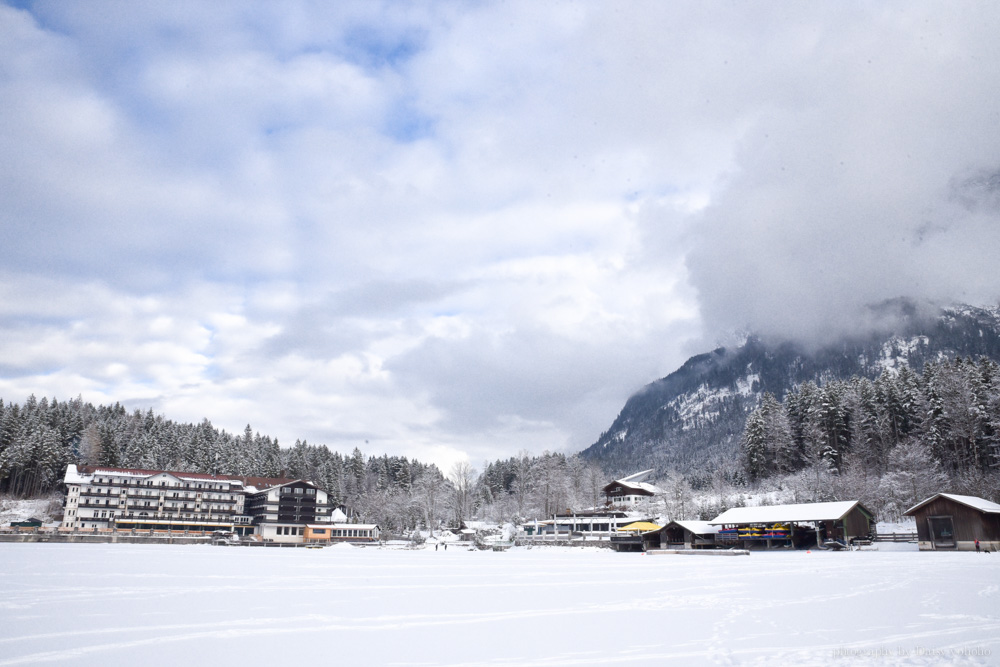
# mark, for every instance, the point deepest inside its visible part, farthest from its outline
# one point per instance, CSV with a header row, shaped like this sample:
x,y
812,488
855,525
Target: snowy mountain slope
x,y
692,419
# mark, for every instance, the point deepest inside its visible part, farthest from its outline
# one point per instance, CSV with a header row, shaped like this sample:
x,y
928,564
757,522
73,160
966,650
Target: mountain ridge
x,y
692,420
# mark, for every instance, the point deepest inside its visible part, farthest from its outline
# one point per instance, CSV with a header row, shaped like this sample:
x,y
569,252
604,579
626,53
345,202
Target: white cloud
x,y
463,230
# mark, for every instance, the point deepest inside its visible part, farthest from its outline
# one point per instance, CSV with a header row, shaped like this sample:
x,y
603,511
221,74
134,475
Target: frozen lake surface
x,y
169,605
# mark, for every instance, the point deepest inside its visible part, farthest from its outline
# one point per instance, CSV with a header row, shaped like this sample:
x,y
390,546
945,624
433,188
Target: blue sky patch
x,y
372,48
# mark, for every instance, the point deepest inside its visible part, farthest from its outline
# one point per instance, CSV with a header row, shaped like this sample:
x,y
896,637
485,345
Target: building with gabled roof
x,y
278,509
280,513
684,535
127,498
631,490
948,521
834,523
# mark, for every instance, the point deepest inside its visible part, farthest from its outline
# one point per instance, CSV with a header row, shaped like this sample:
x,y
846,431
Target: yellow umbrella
x,y
641,526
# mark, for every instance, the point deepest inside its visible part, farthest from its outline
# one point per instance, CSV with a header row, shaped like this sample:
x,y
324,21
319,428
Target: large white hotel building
x,y
279,510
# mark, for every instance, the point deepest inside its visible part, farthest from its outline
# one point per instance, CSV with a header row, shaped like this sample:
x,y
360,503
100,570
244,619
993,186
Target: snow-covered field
x,y
169,605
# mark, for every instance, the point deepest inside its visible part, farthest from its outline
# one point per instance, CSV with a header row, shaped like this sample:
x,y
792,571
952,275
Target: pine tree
x,y
755,446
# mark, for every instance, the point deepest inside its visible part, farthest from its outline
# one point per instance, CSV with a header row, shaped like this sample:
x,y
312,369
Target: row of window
x,y
139,482
144,492
168,515
587,527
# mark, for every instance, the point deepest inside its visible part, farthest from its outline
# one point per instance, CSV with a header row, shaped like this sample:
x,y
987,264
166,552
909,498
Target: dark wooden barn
x,y
951,522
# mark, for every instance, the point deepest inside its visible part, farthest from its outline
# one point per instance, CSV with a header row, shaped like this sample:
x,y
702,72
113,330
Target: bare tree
x,y
428,494
463,477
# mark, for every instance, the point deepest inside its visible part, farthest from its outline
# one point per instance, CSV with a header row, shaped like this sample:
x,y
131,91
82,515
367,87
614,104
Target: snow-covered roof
x,y
75,475
278,483
338,516
643,486
359,526
781,513
258,484
636,478
698,527
634,482
974,502
480,525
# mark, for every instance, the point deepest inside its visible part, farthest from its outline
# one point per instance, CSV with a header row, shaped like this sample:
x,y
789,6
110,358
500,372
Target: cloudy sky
x,y
458,230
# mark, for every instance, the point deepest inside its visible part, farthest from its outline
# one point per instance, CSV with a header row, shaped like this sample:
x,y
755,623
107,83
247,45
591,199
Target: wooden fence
x,y
896,537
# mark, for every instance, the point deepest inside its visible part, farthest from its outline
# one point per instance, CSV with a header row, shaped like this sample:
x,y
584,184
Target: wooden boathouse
x,y
683,535
952,522
830,524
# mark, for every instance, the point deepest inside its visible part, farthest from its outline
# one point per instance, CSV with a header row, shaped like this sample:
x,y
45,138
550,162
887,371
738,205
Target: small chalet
x,y
683,535
832,524
629,491
952,522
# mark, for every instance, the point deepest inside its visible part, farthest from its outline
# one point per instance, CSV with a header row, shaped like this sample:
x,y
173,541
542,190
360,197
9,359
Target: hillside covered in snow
x,y
693,419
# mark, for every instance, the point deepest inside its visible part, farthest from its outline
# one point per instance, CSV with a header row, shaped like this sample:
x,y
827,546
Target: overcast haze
x,y
459,230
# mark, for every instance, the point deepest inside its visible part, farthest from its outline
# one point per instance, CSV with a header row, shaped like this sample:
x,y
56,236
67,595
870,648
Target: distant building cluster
x,y
295,511
267,509
944,522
